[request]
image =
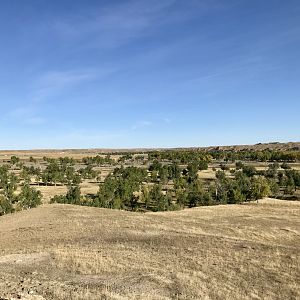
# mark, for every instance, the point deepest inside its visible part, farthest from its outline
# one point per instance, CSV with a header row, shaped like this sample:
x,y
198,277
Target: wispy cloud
x,y
21,112
35,120
62,78
222,73
251,66
28,115
146,123
167,120
141,124
51,83
112,26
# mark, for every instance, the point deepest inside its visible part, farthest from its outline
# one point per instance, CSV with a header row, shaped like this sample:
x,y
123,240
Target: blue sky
x,y
148,73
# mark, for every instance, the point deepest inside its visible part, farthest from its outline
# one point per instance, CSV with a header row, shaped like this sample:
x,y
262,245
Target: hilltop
x,y
248,251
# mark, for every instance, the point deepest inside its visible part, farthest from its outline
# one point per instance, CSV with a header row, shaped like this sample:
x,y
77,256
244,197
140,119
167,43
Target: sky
x,y
148,73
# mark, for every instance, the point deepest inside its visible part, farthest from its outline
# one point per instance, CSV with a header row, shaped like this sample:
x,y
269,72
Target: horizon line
x,y
146,148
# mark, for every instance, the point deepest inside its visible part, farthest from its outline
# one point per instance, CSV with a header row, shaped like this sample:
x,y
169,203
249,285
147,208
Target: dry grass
x,y
226,252
87,187
24,155
49,191
208,174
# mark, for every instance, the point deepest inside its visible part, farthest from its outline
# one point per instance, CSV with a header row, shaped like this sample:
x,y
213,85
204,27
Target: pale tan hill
x,y
259,147
246,251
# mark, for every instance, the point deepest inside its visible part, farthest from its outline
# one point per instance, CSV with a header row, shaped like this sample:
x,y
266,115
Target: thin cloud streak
x,y
122,23
26,115
54,82
141,124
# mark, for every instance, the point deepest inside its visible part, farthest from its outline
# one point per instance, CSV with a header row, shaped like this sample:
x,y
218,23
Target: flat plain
x,y
248,251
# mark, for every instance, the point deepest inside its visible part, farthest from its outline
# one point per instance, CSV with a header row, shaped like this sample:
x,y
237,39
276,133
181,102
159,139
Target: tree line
x,y
163,180
170,187
267,155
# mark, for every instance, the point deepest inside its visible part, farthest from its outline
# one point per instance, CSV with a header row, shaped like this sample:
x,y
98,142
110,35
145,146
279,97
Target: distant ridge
x,y
260,146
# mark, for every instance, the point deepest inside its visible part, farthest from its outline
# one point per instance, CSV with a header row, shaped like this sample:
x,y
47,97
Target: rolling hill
x,y
246,251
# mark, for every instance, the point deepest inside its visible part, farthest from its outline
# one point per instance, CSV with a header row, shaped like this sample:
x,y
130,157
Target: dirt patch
x,y
23,259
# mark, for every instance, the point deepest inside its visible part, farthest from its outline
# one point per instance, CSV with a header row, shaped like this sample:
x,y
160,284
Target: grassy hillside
x,y
248,251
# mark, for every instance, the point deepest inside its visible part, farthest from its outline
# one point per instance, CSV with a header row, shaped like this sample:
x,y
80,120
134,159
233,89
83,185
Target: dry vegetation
x,y
248,251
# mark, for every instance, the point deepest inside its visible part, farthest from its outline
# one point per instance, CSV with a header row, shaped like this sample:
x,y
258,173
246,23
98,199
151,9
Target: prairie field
x,y
246,251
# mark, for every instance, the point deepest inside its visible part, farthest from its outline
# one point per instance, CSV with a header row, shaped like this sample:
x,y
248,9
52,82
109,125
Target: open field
x,y
248,251
80,153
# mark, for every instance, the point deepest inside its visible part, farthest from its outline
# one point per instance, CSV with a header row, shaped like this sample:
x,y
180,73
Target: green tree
x,y
180,187
192,169
195,194
290,187
250,171
244,184
73,195
221,187
29,197
25,176
32,160
239,165
6,206
203,165
163,175
274,187
174,171
285,166
158,199
145,197
260,187
8,183
14,160
235,194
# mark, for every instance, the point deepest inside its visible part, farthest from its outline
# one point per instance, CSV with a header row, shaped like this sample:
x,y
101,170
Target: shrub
x,y
285,166
224,167
239,165
5,206
249,170
29,197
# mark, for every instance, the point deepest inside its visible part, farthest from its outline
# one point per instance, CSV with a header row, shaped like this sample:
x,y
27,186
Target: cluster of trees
x,y
163,173
180,156
98,160
287,179
62,171
171,187
59,171
242,187
256,155
89,173
9,201
125,188
73,196
185,156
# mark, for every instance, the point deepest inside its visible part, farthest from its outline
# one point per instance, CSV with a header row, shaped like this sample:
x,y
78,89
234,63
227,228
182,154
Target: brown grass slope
x,y
226,252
